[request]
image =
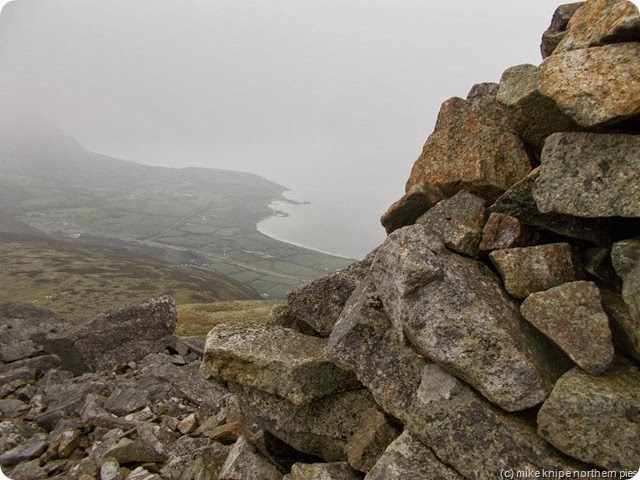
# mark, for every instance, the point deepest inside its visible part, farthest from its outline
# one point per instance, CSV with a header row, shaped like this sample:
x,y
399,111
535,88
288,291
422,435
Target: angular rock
x,y
319,303
472,436
188,424
141,473
532,269
518,202
372,436
32,448
36,365
469,151
589,175
321,471
458,222
625,327
275,360
229,433
571,315
599,22
504,231
11,408
455,312
102,341
203,463
245,463
594,86
407,458
557,30
534,116
110,470
364,341
125,401
625,256
127,451
597,262
28,471
320,428
420,198
595,419
485,96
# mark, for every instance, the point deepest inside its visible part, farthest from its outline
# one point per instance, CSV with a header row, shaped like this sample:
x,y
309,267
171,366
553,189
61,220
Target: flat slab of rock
x,y
275,360
322,471
114,336
319,303
518,202
469,151
474,437
594,86
407,458
595,419
532,269
458,222
405,211
599,22
454,311
572,316
589,175
320,428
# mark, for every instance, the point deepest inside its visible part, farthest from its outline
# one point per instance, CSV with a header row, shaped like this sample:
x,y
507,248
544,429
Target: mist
x,y
332,99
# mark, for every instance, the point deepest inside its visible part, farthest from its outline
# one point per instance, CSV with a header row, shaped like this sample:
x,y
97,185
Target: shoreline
x,y
297,244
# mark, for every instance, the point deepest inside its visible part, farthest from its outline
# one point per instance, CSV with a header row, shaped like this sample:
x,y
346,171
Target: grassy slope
x,y
76,280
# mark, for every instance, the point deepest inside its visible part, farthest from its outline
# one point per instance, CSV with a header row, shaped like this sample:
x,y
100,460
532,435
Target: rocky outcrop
x,y
462,347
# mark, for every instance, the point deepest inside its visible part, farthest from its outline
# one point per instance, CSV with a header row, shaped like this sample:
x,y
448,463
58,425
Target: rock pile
x,y
495,331
497,328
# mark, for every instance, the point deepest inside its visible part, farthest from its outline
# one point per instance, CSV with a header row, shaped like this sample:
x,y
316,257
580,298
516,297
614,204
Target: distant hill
x,y
199,216
12,225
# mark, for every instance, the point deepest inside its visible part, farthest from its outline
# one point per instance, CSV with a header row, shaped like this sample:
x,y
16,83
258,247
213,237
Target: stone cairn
x,y
494,334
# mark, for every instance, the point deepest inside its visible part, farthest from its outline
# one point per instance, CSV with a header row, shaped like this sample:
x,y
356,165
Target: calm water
x,y
347,227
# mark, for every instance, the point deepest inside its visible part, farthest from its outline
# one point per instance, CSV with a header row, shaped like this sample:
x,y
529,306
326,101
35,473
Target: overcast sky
x,y
332,97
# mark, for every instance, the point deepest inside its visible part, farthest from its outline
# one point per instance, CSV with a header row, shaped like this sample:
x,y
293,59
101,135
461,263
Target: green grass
x,y
76,280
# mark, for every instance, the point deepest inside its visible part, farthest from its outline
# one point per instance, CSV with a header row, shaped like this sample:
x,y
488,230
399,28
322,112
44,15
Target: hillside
x,y
76,280
203,217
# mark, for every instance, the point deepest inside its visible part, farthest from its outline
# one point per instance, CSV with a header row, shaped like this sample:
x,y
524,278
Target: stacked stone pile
x,y
496,329
498,326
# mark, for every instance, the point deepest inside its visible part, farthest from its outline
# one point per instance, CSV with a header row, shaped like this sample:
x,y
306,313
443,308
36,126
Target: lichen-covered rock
x,y
589,175
372,436
485,96
319,428
518,201
244,462
469,151
599,22
505,231
364,341
595,419
405,211
454,311
558,28
458,222
625,327
407,458
99,343
275,360
572,316
625,256
533,116
319,303
594,86
532,269
471,435
322,471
